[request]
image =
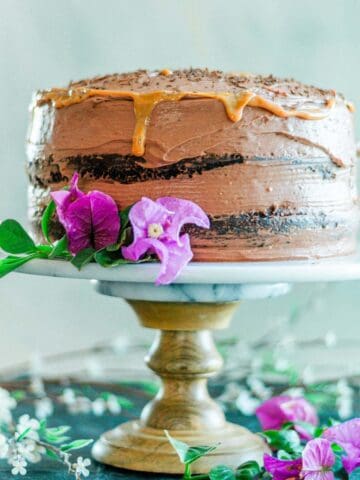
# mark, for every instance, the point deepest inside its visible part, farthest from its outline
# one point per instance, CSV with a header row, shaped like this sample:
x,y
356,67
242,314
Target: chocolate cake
x,y
271,161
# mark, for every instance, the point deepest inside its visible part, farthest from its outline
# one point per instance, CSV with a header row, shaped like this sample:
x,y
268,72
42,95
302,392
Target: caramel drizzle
x,y
144,104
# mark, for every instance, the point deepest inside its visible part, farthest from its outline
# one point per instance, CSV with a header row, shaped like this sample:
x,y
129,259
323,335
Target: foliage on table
x,y
300,447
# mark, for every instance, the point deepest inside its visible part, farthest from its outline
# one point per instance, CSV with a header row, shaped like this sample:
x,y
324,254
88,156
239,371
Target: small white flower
x,y
5,415
308,375
113,405
7,403
344,401
44,407
94,368
246,403
28,449
294,392
37,386
81,465
4,446
258,387
26,422
230,394
81,405
68,396
19,465
282,364
99,407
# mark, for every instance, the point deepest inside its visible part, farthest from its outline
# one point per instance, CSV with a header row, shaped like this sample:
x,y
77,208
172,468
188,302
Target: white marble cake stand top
x,y
203,282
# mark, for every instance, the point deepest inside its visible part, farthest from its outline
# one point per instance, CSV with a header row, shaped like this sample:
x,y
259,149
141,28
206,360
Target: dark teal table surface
x,y
91,426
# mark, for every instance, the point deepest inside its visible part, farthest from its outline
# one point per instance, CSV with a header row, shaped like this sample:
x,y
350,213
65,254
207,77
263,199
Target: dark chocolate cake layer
x,y
277,181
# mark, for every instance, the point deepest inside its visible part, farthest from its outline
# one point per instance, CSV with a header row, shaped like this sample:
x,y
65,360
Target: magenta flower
x,y
347,435
282,469
276,411
318,460
157,230
90,220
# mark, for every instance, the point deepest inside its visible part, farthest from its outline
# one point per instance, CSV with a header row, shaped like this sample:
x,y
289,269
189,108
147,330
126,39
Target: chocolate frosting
x,y
186,126
271,161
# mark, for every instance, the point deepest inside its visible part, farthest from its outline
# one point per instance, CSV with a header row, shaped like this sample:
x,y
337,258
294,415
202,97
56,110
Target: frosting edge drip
x,y
144,104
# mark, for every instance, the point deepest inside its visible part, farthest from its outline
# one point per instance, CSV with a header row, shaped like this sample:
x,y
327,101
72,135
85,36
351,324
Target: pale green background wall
x,y
44,43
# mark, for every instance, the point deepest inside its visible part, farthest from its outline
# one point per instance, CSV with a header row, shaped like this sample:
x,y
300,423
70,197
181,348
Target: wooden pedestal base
x,y
184,356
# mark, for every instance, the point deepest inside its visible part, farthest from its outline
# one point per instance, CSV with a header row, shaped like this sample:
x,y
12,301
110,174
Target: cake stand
x,y
184,356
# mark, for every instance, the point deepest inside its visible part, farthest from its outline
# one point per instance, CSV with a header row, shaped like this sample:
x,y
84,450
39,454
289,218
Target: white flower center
x,y
155,230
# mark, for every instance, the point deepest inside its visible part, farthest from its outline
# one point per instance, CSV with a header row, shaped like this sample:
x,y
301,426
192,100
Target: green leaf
x,y
45,220
336,448
55,439
18,395
188,454
10,263
282,455
248,470
58,430
14,239
75,445
122,401
112,259
52,454
42,424
331,422
318,431
55,435
146,386
308,427
355,474
108,259
287,440
23,434
124,216
83,258
60,249
221,472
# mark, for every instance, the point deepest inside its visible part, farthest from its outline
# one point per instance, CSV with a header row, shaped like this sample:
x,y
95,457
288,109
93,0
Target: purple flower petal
x,y
347,435
273,413
144,213
173,257
91,221
145,245
270,415
300,410
77,223
318,459
104,218
185,212
64,198
323,475
350,463
178,257
282,469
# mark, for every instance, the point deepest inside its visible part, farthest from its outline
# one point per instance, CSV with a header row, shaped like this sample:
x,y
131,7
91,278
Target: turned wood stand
x,y
184,356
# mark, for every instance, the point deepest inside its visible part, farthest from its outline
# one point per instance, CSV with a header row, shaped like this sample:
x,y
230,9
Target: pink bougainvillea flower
x,y
318,460
64,198
347,435
315,463
282,469
157,228
276,411
90,220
